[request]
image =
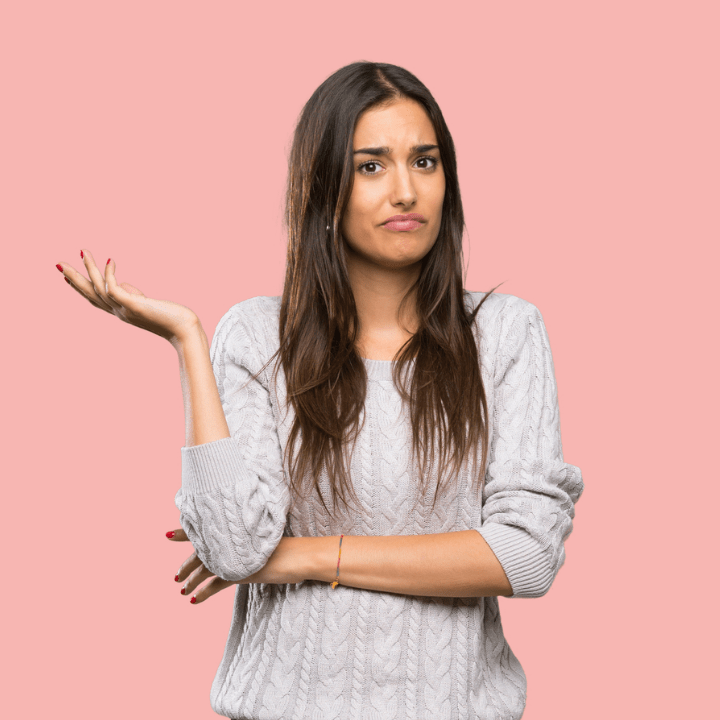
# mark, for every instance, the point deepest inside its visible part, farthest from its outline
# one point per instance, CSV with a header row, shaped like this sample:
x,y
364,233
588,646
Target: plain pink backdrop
x,y
157,133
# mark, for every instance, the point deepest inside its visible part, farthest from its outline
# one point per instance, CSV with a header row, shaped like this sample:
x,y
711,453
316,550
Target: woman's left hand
x,y
283,566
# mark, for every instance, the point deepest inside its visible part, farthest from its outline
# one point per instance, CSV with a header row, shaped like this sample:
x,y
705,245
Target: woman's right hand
x,y
194,571
161,317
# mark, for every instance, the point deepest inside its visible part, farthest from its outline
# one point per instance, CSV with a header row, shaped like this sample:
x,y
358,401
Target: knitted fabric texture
x,y
303,651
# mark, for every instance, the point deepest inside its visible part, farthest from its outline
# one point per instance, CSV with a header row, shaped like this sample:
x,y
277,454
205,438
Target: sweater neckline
x,y
381,369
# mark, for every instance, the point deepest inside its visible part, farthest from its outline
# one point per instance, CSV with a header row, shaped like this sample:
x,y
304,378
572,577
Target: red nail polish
x,y
108,262
170,534
59,267
81,254
182,591
193,599
177,578
67,281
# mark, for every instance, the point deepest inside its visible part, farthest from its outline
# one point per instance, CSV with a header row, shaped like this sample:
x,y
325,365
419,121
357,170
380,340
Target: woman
x,y
327,469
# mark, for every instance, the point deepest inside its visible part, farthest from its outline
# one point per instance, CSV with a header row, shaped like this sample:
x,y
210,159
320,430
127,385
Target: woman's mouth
x,y
402,223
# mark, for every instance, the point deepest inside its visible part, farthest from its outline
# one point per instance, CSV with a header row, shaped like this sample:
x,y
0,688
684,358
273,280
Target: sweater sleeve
x,y
530,492
233,500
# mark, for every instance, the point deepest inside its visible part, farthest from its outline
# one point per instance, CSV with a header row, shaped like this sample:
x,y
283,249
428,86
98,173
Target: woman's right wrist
x,y
190,339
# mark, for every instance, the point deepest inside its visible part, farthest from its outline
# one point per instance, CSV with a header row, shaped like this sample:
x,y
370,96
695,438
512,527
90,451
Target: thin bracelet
x,y
337,576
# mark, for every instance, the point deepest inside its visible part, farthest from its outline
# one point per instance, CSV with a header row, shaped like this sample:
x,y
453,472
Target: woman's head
x,y
397,172
337,204
371,105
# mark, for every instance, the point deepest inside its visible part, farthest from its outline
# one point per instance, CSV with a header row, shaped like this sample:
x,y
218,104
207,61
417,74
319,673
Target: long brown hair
x,y
325,375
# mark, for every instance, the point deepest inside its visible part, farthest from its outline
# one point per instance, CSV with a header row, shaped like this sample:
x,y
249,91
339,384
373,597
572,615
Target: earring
x,y
327,227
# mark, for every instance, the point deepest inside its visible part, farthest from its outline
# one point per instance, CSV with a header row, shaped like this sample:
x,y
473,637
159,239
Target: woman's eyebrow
x,y
384,150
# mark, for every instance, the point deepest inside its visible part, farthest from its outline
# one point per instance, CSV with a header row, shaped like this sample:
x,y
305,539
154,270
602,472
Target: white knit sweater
x,y
304,651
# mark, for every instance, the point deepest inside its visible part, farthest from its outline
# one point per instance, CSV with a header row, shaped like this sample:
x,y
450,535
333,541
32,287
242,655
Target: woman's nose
x,y
403,189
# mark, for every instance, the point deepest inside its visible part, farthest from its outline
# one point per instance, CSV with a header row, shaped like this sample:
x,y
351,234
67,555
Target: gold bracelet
x,y
337,577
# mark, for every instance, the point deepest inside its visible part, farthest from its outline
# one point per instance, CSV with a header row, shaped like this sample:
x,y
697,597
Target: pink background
x,y
157,133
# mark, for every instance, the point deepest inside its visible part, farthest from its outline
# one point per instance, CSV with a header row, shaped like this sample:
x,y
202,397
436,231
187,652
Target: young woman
x,y
374,457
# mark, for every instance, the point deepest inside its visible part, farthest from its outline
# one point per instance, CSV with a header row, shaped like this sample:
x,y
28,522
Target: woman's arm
x,y
530,492
454,564
233,500
204,417
528,498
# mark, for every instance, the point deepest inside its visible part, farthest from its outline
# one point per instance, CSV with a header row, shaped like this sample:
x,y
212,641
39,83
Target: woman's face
x,y
397,172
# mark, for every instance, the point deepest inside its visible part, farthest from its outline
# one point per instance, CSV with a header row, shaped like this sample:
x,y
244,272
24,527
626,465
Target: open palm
x,y
161,317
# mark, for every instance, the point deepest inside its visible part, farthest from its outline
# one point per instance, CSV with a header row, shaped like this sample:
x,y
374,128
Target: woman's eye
x,y
425,160
365,168
370,168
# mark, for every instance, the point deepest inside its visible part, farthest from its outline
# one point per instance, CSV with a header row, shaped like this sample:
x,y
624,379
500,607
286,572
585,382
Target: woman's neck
x,y
378,293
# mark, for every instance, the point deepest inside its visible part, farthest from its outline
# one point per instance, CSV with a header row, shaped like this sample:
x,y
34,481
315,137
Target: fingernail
x,y
177,578
108,262
182,591
81,255
59,267
170,534
67,281
193,599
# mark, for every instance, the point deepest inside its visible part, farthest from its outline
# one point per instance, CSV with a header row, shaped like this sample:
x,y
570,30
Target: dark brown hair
x,y
325,375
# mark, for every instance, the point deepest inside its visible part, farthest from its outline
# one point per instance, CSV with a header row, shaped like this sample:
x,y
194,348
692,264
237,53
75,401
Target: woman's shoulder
x,y
499,323
498,310
253,313
256,309
250,322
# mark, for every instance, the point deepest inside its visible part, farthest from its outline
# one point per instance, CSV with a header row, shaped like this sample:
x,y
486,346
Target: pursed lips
x,y
404,223
403,218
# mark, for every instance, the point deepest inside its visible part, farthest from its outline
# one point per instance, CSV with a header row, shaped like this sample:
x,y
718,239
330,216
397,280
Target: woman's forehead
x,y
398,127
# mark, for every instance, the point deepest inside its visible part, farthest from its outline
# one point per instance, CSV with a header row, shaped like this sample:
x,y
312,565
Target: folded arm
x,y
454,564
529,496
233,502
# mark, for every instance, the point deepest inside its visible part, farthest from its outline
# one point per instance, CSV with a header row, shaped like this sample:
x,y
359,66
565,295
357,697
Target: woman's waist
x,y
306,642
312,611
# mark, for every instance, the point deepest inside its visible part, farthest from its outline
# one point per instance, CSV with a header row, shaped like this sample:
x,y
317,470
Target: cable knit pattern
x,y
306,652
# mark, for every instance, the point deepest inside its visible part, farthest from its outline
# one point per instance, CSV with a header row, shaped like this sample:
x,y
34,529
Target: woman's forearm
x,y
454,564
204,417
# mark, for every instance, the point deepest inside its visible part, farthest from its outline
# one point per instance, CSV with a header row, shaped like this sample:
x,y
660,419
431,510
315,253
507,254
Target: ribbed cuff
x,y
521,558
210,465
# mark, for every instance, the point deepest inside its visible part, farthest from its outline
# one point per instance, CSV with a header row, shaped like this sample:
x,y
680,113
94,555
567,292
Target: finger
x,y
211,588
80,283
200,575
133,306
176,535
192,563
97,279
79,292
115,292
